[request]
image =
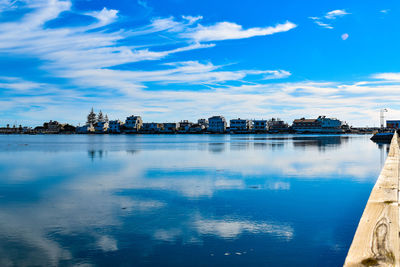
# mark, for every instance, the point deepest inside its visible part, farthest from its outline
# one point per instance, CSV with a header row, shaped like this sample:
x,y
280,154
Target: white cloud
x,y
336,13
322,24
331,15
162,24
18,84
190,29
389,76
105,16
276,74
45,10
192,19
229,30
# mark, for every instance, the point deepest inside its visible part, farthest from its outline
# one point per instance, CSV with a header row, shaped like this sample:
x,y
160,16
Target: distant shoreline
x,y
283,133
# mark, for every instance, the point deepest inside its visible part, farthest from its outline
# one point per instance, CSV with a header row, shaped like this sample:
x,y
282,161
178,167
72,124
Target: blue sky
x,y
174,59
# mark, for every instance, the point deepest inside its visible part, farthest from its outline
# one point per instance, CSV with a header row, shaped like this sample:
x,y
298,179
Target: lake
x,y
183,200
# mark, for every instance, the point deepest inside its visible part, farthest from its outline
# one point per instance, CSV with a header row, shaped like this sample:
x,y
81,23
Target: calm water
x,y
183,200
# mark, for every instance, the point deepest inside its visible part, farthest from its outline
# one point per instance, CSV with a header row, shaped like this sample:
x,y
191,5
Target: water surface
x,y
183,200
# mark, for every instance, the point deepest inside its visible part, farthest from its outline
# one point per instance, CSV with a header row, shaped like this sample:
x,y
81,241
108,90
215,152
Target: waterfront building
x,y
115,126
52,127
14,130
277,126
304,123
197,128
240,125
151,127
203,122
88,128
133,123
319,125
39,130
260,125
101,127
170,127
393,124
184,126
67,129
216,124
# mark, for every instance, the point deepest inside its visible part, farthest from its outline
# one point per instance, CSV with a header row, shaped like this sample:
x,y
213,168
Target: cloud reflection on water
x,y
93,195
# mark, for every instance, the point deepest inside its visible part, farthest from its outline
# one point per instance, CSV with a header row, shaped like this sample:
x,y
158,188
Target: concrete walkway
x,y
376,241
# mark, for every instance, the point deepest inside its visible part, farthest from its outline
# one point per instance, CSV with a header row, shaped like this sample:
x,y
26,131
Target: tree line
x,y
92,118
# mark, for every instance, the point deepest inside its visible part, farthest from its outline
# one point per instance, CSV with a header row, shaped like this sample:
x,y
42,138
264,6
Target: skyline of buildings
x,y
100,123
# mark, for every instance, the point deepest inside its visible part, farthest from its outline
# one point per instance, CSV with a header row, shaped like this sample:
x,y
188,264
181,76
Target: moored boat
x,y
385,137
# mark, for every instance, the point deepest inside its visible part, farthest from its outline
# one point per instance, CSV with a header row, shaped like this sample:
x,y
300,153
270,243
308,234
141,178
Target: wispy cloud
x,y
324,21
189,28
322,24
229,30
388,76
143,3
189,72
336,13
17,84
7,4
192,19
105,16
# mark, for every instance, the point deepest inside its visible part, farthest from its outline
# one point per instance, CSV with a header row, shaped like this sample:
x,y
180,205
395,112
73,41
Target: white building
x,y
203,122
217,124
240,125
329,122
115,126
133,123
101,127
88,128
321,124
260,125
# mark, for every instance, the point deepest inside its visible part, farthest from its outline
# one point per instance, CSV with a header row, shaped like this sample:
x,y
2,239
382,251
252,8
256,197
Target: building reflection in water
x,y
216,147
319,141
384,151
272,146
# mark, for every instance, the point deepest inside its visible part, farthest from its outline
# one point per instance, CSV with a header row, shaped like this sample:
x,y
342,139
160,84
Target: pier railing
x,y
377,240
